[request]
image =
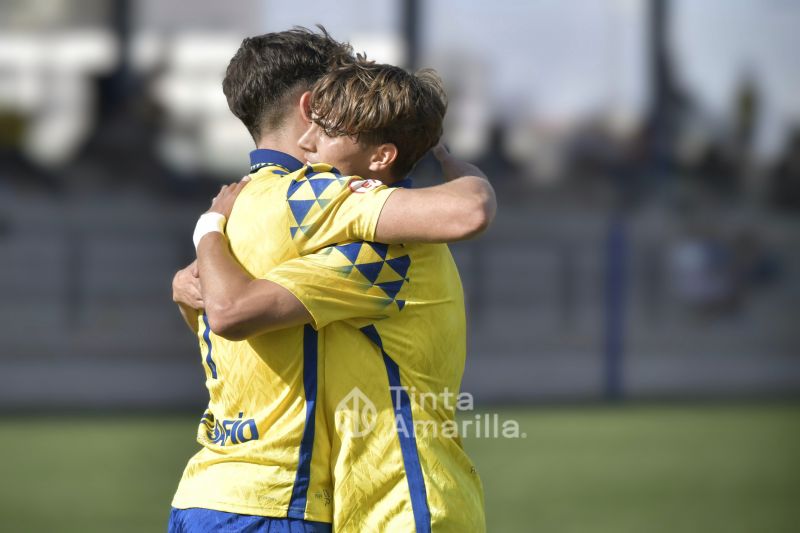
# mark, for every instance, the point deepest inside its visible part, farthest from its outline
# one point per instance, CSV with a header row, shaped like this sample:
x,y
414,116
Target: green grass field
x,y
725,468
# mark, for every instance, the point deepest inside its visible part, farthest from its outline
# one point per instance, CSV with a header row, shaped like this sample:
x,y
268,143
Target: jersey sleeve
x,y
327,208
357,280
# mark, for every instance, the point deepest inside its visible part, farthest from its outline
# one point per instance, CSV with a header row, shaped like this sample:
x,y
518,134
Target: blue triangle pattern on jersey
x,y
346,270
293,230
391,288
370,270
380,248
400,265
350,251
300,209
401,304
293,186
319,185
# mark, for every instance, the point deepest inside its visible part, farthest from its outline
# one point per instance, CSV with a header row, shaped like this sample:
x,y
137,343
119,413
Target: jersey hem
x,y
269,512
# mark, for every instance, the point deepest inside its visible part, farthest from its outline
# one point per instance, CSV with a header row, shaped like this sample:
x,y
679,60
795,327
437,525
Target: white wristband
x,y
208,223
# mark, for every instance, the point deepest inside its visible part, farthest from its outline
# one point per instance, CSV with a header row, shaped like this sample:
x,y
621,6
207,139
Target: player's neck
x,y
281,143
284,139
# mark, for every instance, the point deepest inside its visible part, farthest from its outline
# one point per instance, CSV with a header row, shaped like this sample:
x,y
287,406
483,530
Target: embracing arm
x,y
237,306
459,209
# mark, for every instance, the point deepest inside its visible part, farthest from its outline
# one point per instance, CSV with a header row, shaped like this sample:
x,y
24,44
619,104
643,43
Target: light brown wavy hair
x,y
377,104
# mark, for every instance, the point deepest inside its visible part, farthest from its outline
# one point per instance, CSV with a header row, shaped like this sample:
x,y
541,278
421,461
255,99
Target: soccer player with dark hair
x,y
391,316
266,456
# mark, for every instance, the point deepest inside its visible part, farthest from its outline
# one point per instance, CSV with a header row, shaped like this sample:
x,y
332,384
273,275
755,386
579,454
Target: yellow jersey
x,y
265,445
394,349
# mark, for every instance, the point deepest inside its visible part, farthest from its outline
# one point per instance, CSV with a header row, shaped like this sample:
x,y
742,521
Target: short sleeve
x,y
347,281
327,208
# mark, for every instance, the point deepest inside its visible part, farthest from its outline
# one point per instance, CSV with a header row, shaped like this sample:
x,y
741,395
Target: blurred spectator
x,y
714,274
702,274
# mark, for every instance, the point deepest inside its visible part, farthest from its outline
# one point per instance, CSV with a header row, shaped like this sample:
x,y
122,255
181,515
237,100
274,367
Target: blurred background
x,y
632,306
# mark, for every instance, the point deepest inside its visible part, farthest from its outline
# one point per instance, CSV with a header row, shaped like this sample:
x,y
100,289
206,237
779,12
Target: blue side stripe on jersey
x,y
408,440
207,336
297,504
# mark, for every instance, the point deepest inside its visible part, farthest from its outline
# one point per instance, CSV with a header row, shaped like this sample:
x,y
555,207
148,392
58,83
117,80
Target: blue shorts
x,y
196,520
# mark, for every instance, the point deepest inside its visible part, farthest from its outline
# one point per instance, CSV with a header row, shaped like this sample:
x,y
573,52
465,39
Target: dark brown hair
x,y
270,69
378,104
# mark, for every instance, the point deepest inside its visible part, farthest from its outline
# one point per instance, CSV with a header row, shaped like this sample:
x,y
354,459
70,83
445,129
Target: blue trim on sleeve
x,y
297,504
405,433
207,336
265,158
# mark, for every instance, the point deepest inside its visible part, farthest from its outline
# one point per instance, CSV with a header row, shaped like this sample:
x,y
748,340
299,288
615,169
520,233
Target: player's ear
x,y
382,157
305,106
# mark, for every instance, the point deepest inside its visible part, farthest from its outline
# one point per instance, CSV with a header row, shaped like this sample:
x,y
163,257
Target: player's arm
x,y
304,290
308,289
238,306
359,210
459,209
186,294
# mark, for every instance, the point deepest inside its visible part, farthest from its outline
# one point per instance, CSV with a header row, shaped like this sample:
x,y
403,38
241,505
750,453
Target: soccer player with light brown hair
x,y
390,317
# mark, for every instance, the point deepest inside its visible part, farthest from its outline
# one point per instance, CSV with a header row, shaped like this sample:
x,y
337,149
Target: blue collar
x,y
404,184
263,157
